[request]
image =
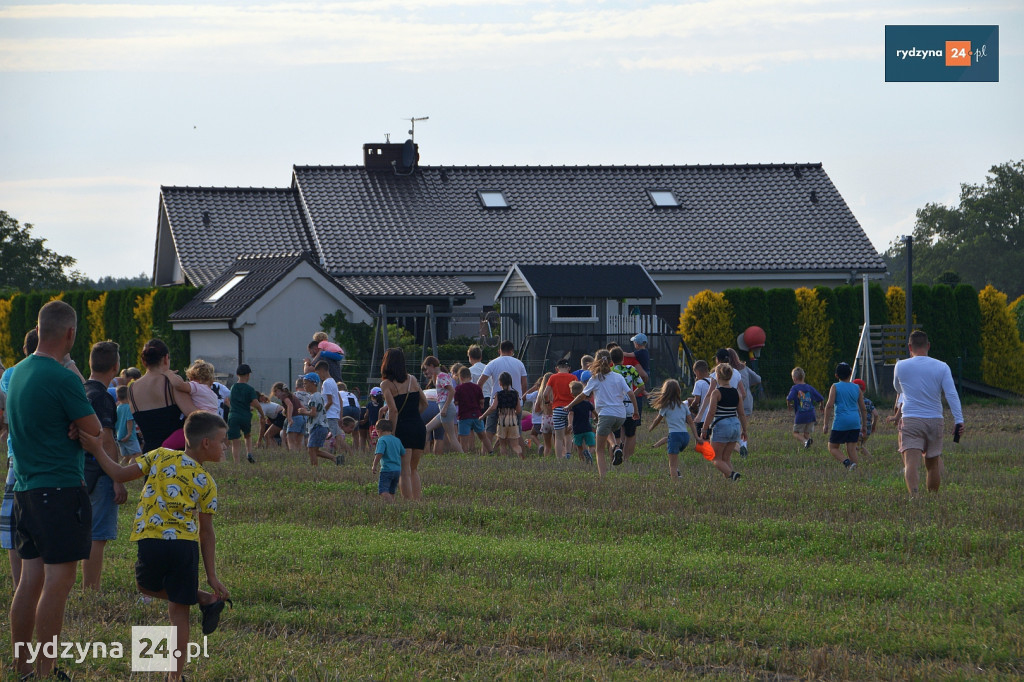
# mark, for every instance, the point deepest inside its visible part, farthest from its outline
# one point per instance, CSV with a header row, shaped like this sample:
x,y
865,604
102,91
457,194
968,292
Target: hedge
x,y
707,324
1003,363
968,312
814,347
779,355
102,315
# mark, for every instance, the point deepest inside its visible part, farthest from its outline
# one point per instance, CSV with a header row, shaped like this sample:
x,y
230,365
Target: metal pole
x,y
909,241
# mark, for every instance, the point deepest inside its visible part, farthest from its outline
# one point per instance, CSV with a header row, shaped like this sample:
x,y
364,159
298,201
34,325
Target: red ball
x,y
754,338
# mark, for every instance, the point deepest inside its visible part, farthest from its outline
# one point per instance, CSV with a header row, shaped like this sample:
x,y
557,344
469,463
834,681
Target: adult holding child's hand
x,y
405,402
158,409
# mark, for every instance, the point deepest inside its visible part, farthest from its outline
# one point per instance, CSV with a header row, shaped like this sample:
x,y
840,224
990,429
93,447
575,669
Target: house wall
x,y
546,326
217,346
516,331
277,328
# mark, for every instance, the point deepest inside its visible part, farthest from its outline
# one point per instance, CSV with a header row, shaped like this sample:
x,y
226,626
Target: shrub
x,y
837,327
969,314
97,330
6,350
1017,311
749,308
706,324
780,350
944,327
896,303
1003,362
142,312
814,344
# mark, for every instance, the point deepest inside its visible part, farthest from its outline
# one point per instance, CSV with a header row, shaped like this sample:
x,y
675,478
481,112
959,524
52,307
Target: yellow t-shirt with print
x,y
176,491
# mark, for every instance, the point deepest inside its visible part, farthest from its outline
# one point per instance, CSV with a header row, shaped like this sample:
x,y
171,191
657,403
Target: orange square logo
x,y
958,53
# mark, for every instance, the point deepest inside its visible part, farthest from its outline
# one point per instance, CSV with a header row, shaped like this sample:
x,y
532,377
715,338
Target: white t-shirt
x,y
222,392
700,389
478,369
330,388
609,393
505,363
921,380
271,409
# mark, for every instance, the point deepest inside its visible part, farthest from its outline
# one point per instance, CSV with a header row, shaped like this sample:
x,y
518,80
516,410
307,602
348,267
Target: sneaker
x,y
735,476
339,460
587,456
808,443
540,450
252,460
853,465
743,451
211,614
617,456
568,455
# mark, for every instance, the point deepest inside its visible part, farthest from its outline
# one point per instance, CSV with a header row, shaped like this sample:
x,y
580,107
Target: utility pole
x,y
908,240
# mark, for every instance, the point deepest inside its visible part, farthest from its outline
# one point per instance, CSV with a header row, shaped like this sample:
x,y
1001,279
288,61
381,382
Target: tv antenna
x,y
412,130
387,138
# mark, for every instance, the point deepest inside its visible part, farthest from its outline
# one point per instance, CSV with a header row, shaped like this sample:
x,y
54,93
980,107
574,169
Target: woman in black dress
x,y
405,401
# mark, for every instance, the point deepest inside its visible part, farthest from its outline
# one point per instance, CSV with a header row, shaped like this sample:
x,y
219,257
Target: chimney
x,y
385,156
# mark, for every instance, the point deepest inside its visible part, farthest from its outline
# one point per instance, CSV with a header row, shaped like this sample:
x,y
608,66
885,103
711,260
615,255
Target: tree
x,y
26,264
979,242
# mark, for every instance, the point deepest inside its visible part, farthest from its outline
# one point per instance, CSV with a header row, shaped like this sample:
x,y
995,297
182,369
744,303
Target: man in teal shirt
x,y
52,516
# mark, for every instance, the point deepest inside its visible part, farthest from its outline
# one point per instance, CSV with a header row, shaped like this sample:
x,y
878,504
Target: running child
x,y
671,407
802,398
510,410
174,523
243,400
869,422
611,395
316,421
582,424
559,395
726,422
469,401
388,456
845,410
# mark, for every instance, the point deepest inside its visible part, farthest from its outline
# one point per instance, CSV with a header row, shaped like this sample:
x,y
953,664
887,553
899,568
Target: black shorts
x,y
53,523
840,437
171,565
628,426
278,421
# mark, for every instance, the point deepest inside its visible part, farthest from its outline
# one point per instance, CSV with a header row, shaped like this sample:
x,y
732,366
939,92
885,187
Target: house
x,y
263,310
394,232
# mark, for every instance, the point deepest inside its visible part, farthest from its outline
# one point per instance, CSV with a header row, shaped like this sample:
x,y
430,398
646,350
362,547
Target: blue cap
x,y
312,377
639,338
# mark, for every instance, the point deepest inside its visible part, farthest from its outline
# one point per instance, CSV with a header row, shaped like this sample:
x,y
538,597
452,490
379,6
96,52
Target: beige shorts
x,y
805,429
921,434
508,432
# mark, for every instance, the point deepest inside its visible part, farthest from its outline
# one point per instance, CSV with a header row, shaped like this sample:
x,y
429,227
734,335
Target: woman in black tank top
x,y
405,401
726,422
158,409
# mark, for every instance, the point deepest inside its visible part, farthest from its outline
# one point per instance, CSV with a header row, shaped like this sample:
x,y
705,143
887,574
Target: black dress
x,y
157,424
409,427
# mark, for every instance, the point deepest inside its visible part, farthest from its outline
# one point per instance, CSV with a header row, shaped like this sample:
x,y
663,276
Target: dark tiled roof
x,y
264,271
598,281
211,226
406,286
742,219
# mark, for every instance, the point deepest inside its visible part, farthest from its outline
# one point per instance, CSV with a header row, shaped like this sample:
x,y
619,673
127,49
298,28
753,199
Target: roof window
x,y
662,197
493,198
226,287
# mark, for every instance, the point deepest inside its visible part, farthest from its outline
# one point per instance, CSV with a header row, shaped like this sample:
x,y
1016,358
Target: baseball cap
x,y
312,377
863,384
375,390
243,369
639,338
564,362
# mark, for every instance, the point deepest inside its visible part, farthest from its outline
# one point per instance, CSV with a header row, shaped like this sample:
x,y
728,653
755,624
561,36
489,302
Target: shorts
x,y
607,423
331,355
492,422
629,427
332,426
840,437
559,418
278,421
727,430
171,565
298,424
6,528
350,411
806,430
921,434
129,448
470,426
586,438
451,417
104,511
428,415
388,482
52,523
317,436
240,425
677,441
508,432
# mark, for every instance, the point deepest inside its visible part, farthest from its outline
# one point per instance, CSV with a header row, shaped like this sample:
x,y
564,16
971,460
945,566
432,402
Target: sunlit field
x,y
535,569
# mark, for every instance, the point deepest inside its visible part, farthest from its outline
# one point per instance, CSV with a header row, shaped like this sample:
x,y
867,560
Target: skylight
x,y
663,197
493,198
227,286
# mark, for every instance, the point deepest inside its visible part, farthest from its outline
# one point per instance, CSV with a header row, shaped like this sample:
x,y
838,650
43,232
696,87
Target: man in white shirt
x,y
919,380
332,399
505,362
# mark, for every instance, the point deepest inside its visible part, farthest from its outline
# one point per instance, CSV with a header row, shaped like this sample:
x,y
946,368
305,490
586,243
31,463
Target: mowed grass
x,y
536,569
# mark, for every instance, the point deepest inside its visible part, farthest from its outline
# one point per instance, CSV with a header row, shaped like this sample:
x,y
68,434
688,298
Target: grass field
x,y
535,569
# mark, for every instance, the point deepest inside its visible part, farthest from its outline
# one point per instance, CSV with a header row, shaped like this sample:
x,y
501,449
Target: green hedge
x,y
969,315
778,357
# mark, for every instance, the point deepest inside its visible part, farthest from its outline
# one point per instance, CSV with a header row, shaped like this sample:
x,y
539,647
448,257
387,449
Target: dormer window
x,y
226,287
663,197
493,198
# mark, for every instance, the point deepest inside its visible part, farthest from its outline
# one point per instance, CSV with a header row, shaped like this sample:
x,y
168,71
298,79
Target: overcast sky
x,y
102,103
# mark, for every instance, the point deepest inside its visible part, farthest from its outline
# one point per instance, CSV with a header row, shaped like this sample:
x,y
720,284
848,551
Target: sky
x,y
101,103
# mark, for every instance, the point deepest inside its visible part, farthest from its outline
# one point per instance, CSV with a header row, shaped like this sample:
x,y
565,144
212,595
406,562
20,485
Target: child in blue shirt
x,y
127,440
671,407
802,397
389,456
846,403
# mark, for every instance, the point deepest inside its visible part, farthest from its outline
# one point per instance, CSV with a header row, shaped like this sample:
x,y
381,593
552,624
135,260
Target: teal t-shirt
x,y
391,450
43,400
847,414
242,396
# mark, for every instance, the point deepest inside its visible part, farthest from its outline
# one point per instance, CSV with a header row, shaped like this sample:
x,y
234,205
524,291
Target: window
x,y
228,286
493,198
662,197
573,313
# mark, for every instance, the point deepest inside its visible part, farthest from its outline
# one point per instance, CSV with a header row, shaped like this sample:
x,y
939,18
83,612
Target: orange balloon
x,y
705,449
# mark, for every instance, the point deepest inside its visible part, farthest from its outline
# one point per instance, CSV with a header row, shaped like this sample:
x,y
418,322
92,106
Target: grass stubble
x,y
536,569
